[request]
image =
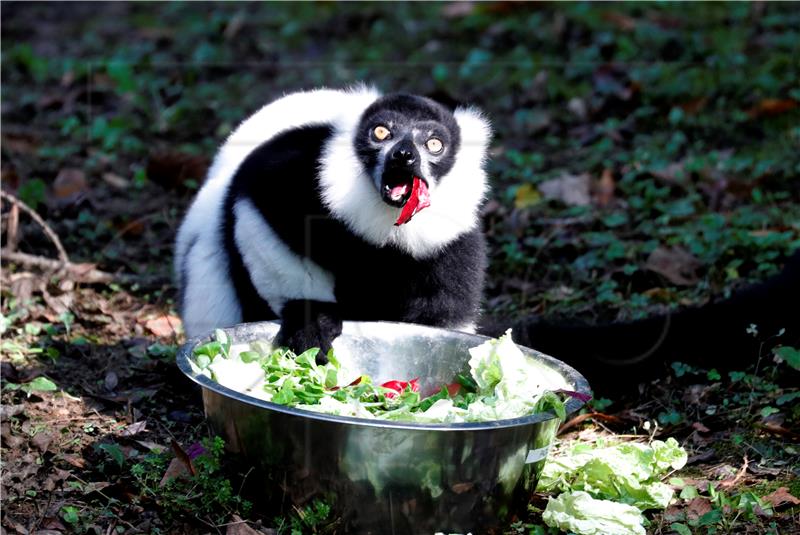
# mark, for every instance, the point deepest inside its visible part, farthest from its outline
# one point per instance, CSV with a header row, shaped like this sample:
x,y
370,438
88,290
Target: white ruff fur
x,y
351,196
209,298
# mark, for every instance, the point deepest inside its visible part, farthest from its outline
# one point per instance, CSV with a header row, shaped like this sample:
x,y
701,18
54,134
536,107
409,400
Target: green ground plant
x,y
208,494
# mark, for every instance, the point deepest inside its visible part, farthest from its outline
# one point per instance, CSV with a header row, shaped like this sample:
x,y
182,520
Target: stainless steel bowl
x,y
390,477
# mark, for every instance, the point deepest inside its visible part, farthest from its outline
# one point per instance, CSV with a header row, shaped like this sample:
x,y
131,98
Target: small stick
x,y
12,228
586,416
62,253
80,272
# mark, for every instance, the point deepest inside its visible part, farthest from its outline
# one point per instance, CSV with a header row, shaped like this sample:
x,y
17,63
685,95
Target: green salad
x,y
501,383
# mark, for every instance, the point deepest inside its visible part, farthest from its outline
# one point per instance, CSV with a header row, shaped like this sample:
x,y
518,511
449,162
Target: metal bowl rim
x,y
567,371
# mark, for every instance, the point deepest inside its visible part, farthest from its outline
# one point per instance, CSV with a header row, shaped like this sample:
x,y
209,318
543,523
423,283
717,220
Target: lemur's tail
x,y
621,355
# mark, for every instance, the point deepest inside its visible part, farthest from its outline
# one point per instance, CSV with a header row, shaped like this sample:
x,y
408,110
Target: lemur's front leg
x,y
306,324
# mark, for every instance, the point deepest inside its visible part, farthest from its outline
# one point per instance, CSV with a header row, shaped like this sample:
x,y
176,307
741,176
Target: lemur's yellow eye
x,y
434,145
381,133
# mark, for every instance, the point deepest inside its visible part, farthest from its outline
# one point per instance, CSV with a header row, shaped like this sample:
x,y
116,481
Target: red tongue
x,y
419,199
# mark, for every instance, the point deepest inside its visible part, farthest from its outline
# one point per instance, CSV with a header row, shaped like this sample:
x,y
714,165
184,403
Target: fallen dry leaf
x,y
116,181
151,446
10,440
42,440
164,326
672,173
526,196
674,513
111,380
234,25
697,508
776,428
52,523
694,106
772,106
578,107
95,486
237,526
572,190
134,428
20,143
176,469
622,22
781,496
604,192
58,303
759,470
7,411
460,488
700,427
453,10
675,264
75,460
171,169
183,460
69,186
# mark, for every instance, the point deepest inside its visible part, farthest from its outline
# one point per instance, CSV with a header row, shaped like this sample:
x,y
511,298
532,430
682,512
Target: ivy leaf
x,y
40,384
680,528
767,411
115,452
789,355
70,514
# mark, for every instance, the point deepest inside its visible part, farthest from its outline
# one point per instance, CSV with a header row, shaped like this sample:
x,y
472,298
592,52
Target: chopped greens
x,y
502,383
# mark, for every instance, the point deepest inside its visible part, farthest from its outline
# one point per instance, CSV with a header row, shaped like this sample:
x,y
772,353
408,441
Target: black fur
x,y
371,283
307,324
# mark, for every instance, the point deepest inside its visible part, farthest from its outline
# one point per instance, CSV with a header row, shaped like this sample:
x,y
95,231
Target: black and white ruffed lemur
x,y
333,205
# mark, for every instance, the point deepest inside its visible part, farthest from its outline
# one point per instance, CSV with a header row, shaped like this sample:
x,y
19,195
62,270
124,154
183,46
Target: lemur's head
x,y
407,144
401,157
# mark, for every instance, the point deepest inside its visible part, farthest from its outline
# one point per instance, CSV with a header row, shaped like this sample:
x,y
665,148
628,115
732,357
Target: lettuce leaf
x,y
626,472
578,512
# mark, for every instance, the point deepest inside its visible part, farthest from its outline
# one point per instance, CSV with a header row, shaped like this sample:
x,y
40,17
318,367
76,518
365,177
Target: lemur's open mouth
x,y
408,192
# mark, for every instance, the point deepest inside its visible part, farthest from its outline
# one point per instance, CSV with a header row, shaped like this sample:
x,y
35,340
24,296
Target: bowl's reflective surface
x,y
390,477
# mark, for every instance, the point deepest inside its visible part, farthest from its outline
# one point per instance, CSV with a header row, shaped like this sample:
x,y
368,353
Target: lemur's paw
x,y
307,324
303,340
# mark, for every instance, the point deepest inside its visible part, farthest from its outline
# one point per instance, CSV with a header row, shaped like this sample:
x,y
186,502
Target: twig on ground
x,y
598,416
12,228
127,228
80,272
730,483
49,232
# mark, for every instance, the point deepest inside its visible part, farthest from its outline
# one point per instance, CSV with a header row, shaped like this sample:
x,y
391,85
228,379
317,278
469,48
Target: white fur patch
x,y
278,274
349,193
209,296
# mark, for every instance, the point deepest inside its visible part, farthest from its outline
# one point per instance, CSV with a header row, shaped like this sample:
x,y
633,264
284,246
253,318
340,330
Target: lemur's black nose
x,y
403,155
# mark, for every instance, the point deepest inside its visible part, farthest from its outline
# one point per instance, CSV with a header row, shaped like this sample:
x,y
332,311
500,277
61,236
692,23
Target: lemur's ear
x,y
445,99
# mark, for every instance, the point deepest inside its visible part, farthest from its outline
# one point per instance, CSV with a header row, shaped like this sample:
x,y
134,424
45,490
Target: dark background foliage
x,y
646,156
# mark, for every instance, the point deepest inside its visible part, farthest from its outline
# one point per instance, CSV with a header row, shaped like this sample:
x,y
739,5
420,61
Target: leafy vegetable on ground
x,y
605,487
